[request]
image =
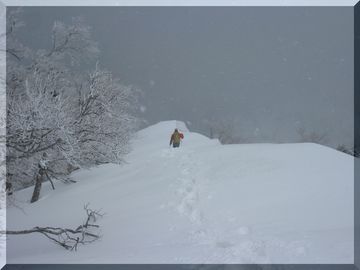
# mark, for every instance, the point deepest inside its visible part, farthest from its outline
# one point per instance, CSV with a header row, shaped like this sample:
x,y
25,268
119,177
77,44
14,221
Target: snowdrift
x,y
201,203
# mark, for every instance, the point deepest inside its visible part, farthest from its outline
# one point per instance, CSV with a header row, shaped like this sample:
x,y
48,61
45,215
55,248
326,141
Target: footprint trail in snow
x,y
232,246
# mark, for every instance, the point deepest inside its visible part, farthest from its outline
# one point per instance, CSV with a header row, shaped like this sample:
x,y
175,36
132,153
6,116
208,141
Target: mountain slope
x,y
201,203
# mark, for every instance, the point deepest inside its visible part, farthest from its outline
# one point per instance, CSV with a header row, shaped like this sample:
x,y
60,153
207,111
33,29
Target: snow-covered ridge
x,y
201,203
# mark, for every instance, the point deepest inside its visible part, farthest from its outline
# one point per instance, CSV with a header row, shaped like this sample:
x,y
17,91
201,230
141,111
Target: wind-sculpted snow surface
x,y
201,203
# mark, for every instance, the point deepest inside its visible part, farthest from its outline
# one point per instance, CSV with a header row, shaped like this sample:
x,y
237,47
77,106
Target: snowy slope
x,y
201,203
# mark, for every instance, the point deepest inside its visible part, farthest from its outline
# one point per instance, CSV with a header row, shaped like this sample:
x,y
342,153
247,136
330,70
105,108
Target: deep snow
x,y
201,203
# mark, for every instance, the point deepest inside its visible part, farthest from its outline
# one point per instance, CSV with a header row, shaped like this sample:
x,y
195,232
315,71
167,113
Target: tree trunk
x,y
39,179
211,133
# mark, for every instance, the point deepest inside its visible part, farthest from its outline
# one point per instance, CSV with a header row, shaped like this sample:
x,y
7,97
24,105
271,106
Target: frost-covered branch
x,y
73,40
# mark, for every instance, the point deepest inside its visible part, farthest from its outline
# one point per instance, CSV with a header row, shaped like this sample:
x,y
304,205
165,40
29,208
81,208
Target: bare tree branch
x,y
68,238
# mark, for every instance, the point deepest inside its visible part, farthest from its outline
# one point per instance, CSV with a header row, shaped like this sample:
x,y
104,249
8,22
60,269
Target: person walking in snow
x,y
176,138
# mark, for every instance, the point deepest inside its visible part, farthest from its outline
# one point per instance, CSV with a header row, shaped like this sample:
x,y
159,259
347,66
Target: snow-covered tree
x,y
311,136
78,118
225,132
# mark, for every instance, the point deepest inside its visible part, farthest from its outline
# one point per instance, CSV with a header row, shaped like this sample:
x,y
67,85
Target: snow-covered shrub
x,y
347,150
